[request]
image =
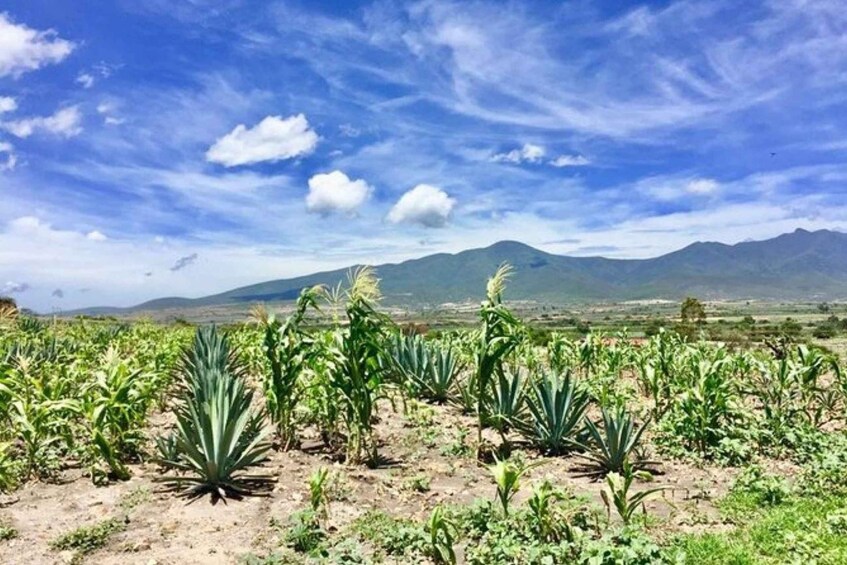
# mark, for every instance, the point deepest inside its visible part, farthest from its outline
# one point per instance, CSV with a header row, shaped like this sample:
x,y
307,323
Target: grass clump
x,y
86,539
7,532
393,536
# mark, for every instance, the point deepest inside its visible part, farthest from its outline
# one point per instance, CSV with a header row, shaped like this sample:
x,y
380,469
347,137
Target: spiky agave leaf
x,y
616,446
557,405
505,403
217,434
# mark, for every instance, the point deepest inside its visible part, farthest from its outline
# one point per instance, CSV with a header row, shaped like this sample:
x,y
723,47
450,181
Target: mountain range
x,y
801,265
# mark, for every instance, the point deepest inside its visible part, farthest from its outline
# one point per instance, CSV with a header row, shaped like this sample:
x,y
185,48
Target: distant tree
x,y
824,308
653,327
825,330
692,311
790,327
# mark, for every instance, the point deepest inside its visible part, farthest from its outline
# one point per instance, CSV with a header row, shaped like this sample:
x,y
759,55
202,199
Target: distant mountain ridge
x,y
801,265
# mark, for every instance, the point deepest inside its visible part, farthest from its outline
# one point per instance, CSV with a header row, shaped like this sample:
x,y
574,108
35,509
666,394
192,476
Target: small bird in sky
x,y
773,154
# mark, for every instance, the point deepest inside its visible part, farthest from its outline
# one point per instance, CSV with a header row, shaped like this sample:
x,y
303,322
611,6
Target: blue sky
x,y
152,148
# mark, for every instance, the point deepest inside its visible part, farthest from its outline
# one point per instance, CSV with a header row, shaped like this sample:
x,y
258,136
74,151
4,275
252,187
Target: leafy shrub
x,y
304,534
393,536
765,489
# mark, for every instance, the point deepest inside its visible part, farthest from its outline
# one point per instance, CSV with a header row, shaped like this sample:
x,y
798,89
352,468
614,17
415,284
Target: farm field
x,y
334,432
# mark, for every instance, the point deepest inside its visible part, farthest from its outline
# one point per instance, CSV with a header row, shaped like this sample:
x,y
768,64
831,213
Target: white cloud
x,y
85,79
702,186
8,162
65,122
529,153
107,110
570,161
334,191
24,49
426,205
8,104
272,139
96,236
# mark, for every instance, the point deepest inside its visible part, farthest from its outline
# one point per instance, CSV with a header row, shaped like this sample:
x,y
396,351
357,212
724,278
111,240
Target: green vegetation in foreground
x,y
86,539
810,530
777,522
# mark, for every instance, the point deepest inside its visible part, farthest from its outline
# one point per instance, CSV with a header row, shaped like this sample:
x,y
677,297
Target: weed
x,y
86,539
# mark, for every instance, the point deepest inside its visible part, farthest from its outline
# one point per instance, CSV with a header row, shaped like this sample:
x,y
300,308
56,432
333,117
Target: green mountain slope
x,y
801,265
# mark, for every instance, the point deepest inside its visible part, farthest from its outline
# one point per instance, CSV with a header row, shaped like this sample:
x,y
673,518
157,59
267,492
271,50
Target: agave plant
x,y
505,403
557,406
444,369
218,435
410,362
616,446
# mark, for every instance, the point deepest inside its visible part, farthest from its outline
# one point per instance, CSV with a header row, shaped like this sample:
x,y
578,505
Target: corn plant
x,y
507,475
617,494
442,536
358,373
39,407
557,406
707,410
218,434
541,509
115,406
615,448
500,334
317,490
289,352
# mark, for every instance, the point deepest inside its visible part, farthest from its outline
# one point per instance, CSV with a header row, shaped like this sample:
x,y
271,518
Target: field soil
x,y
425,466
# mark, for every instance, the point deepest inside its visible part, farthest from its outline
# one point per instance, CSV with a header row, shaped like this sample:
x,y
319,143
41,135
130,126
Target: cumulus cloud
x,y
184,262
85,79
426,205
702,186
8,104
570,161
336,192
272,139
66,122
8,159
96,236
529,153
12,287
25,49
58,293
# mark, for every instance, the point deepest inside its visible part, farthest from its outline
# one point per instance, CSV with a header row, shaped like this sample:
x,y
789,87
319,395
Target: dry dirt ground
x,y
161,528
